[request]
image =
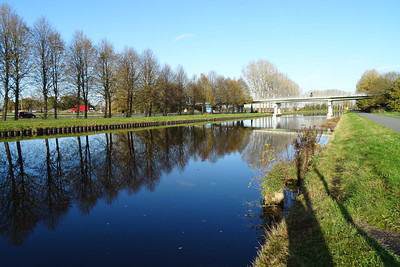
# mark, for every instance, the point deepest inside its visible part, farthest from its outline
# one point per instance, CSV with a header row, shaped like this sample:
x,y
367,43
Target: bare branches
x,y
181,81
20,63
106,72
8,20
265,81
57,66
149,68
167,88
41,34
128,72
80,61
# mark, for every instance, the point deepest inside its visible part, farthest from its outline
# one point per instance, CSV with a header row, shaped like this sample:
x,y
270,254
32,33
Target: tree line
x,y
384,89
39,60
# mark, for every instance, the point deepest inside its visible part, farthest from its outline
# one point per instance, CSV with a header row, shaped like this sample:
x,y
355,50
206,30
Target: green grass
x,y
394,114
353,187
24,124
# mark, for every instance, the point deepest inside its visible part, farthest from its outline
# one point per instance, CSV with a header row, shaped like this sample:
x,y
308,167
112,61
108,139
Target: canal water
x,y
174,196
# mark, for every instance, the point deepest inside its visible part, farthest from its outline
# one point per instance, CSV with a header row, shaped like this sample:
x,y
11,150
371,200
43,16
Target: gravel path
x,y
388,122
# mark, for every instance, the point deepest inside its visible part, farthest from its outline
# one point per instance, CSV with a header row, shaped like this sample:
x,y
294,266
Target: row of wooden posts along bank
x,y
96,128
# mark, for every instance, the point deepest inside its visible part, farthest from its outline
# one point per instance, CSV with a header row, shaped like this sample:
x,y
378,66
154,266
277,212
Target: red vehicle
x,y
26,115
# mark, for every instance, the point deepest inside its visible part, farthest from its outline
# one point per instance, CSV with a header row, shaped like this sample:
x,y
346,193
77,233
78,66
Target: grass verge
x,y
350,194
391,114
25,124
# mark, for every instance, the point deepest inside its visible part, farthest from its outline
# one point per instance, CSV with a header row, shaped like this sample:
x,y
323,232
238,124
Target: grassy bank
x,y
25,124
349,204
391,114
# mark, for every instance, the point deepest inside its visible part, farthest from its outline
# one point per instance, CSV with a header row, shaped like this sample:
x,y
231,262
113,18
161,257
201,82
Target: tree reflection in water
x,y
41,179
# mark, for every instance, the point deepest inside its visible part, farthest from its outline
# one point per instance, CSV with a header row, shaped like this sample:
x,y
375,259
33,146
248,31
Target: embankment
x,y
348,212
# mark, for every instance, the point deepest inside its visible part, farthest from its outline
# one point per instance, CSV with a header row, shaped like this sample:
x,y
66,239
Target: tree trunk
x,y
5,105
109,106
6,91
79,101
45,104
16,103
150,107
55,105
131,106
128,100
86,106
105,108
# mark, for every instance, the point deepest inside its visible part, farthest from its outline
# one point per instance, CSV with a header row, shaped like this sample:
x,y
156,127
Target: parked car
x,y
26,115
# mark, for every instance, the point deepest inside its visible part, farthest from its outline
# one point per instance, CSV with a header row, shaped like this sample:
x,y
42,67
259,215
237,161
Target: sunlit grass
x,y
354,186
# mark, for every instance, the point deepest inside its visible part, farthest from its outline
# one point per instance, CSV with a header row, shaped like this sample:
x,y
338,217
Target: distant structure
x,y
276,102
82,108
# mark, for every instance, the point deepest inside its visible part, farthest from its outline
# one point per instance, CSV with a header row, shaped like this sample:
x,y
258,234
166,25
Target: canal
x,y
175,196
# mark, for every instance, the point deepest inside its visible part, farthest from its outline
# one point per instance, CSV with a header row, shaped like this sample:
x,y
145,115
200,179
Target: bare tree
x,y
265,81
20,52
81,56
148,80
106,72
75,65
204,89
89,55
212,79
166,89
41,33
193,93
181,81
6,17
57,66
221,92
128,75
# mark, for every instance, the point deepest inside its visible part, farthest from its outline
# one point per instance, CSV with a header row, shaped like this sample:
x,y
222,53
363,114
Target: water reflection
x,y
39,183
41,180
288,122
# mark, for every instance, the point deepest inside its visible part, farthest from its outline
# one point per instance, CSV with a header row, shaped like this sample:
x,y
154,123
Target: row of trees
x,y
384,88
39,60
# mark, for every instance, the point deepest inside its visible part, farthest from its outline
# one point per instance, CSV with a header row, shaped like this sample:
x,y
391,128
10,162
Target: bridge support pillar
x,y
330,109
277,109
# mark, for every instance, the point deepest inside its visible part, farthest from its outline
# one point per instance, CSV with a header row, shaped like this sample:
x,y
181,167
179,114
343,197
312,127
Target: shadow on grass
x,y
307,246
386,258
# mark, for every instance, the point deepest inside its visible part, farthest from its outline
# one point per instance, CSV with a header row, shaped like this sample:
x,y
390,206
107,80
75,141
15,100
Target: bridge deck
x,y
313,99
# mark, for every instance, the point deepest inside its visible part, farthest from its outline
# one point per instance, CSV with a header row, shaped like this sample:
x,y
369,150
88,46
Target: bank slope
x,y
349,206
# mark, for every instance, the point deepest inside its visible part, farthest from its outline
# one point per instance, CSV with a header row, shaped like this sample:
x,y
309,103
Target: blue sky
x,y
319,44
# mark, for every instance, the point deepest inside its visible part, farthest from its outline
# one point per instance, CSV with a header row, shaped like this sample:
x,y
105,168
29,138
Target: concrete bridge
x,y
278,101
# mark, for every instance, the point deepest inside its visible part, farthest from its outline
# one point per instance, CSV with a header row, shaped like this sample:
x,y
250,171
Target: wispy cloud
x,y
184,36
388,68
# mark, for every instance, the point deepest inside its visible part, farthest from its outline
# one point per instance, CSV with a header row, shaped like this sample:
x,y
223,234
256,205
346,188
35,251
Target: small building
x,y
89,108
